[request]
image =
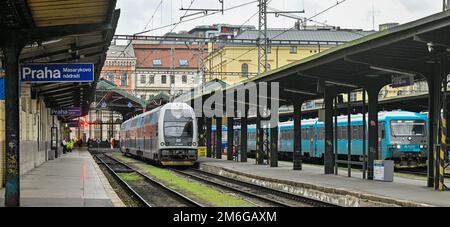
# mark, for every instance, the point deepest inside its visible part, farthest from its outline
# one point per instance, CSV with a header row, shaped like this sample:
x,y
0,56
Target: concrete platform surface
x,y
74,180
339,189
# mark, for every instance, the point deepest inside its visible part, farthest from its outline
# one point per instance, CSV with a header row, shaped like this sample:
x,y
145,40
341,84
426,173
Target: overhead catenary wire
x,y
287,30
176,25
153,16
185,21
196,18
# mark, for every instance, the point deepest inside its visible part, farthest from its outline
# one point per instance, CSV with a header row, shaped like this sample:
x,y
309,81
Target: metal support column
x,y
111,117
244,134
364,143
336,152
373,131
329,161
208,137
440,164
11,51
218,138
259,141
297,156
201,131
230,138
433,118
91,136
274,146
349,135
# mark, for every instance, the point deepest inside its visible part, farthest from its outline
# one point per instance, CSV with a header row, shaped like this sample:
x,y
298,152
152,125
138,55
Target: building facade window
x,y
157,62
293,50
151,79
184,78
143,79
172,79
124,79
184,62
244,70
111,77
163,79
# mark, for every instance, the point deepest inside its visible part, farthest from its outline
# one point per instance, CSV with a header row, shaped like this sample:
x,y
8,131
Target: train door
x,y
382,140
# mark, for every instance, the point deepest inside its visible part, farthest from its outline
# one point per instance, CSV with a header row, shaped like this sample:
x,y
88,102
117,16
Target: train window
x,y
355,133
133,123
401,128
321,133
340,133
381,131
344,133
148,119
290,134
309,133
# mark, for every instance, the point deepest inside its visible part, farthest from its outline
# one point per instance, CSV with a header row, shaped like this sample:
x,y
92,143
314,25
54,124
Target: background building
x,y
169,68
120,66
235,62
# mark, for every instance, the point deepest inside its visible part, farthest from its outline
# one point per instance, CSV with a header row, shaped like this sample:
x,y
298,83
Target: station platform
x,y
73,180
336,189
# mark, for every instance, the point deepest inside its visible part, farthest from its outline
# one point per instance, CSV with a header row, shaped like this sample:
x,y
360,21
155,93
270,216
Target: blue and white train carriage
x,y
402,138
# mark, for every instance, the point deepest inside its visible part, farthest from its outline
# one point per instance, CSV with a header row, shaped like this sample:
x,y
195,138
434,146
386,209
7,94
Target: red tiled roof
x,y
147,53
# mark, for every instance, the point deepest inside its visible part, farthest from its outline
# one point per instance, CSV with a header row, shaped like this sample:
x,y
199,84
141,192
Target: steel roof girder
x,y
412,69
343,83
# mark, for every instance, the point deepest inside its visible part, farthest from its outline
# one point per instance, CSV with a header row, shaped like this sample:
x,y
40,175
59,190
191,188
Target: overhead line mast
x,y
263,42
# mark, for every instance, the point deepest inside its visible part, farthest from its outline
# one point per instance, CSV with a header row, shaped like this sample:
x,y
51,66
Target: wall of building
x,y
145,88
35,135
230,59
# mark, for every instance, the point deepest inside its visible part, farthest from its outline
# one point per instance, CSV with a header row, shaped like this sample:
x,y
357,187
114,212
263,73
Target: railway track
x,y
266,195
418,172
147,191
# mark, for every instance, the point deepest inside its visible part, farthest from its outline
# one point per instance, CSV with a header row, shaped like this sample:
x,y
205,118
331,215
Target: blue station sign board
x,y
67,112
49,73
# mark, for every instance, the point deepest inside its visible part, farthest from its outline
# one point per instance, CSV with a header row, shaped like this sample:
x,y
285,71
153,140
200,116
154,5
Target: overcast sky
x,y
136,14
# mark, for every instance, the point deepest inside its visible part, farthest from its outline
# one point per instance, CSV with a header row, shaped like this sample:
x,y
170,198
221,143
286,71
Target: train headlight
x,y
194,144
398,146
162,144
422,147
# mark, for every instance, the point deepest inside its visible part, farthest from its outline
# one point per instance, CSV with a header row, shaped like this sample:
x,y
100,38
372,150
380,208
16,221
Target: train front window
x,y
401,128
178,129
178,124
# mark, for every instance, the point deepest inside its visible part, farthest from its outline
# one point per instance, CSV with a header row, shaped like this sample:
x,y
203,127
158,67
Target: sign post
x,y
54,143
98,145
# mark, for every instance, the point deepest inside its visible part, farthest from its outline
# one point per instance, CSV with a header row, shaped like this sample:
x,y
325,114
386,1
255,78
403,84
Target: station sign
x,y
57,73
67,112
402,81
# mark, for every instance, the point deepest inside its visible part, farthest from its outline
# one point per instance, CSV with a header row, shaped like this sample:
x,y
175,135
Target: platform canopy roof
x,y
366,62
158,100
61,31
117,99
